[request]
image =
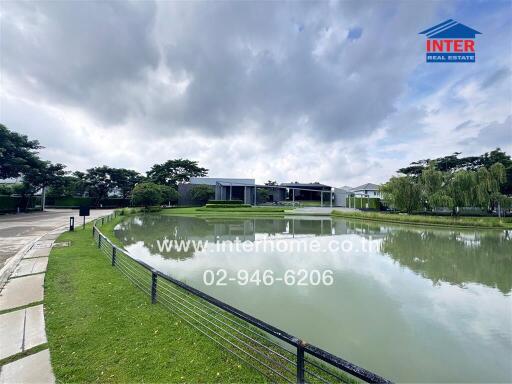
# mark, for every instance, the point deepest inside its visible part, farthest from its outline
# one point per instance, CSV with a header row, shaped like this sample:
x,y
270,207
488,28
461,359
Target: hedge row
x,y
11,203
75,202
225,202
227,205
361,202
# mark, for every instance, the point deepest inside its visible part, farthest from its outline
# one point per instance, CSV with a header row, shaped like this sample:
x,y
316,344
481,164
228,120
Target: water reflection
x,y
441,255
421,304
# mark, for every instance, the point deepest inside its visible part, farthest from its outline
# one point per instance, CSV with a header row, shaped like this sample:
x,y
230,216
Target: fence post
x,y
300,362
113,256
93,229
102,220
99,240
153,286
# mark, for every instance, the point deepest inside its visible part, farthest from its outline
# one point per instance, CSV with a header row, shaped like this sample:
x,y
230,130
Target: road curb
x,y
13,262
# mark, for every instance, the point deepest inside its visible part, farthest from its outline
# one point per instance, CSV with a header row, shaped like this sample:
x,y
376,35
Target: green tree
x,y
45,174
262,195
124,180
461,189
64,186
173,172
433,187
200,194
169,195
99,182
18,154
402,193
453,163
147,194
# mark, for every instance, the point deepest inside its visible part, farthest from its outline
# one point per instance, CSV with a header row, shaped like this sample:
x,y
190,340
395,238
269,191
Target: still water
x,y
410,303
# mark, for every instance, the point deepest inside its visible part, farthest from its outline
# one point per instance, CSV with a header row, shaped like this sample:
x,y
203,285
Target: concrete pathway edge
x,y
13,262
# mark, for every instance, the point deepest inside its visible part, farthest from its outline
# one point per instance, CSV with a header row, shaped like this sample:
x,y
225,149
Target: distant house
x,y
367,190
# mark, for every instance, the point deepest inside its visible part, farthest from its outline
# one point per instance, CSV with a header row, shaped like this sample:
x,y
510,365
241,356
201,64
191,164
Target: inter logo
x,y
450,42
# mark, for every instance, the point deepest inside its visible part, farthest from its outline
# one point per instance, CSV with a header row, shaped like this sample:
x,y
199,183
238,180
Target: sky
x,y
330,91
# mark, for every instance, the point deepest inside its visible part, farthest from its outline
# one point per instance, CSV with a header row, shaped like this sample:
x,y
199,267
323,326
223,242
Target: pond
x,y
411,303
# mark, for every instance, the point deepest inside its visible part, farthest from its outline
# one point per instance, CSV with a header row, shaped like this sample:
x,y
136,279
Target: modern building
x,y
225,189
367,190
308,191
340,196
276,193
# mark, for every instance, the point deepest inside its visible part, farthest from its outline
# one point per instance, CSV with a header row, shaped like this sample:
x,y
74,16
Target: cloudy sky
x,y
337,92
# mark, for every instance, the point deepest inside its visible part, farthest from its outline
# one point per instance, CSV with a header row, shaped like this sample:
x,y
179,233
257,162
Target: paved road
x,y
18,230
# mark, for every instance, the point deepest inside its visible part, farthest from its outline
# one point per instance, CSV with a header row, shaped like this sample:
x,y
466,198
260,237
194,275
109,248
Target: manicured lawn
x,y
232,212
102,329
477,222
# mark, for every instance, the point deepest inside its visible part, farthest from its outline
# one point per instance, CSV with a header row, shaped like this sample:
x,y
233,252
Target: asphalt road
x,y
17,230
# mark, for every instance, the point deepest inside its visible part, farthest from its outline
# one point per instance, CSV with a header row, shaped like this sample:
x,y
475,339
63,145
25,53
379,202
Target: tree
x,y
271,182
453,163
262,195
200,194
45,174
173,172
402,193
124,180
81,183
432,185
18,154
146,194
169,194
64,186
99,182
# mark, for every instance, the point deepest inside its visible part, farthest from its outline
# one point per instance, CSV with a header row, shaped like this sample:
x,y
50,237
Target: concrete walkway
x,y
22,326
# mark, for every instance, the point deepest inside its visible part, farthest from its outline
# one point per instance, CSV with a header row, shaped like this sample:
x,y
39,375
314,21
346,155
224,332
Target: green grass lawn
x,y
231,212
102,329
476,222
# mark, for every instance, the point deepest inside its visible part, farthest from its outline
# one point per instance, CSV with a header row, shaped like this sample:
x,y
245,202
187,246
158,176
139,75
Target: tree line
x,y
19,159
451,182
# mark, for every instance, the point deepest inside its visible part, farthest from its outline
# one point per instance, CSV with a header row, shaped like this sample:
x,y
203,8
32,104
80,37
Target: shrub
x,y
200,194
228,205
360,202
147,194
225,202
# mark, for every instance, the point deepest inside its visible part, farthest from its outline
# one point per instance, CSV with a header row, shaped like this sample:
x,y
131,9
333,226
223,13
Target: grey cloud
x,y
79,53
497,76
277,68
492,135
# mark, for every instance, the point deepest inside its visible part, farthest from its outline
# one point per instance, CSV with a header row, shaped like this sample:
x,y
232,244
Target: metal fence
x,y
276,354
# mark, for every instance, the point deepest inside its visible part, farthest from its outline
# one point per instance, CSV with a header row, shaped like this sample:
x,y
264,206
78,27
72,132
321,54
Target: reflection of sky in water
x,y
378,313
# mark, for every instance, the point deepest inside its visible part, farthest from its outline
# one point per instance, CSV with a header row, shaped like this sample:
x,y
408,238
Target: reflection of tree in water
x,y
454,257
150,229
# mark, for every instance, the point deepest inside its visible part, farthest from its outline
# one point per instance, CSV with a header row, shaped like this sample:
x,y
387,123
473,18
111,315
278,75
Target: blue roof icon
x,y
450,29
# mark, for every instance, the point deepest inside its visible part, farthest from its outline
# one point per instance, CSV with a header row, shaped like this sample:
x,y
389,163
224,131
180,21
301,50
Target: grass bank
x,y
445,221
102,329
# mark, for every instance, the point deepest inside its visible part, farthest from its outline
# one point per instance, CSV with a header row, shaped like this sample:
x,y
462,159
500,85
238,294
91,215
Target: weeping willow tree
x,y
402,193
451,189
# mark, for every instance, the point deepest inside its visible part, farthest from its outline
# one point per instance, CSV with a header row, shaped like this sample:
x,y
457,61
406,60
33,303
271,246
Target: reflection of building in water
x,y
231,231
312,226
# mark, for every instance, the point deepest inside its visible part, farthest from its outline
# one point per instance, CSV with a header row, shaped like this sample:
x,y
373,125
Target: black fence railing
x,y
277,355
